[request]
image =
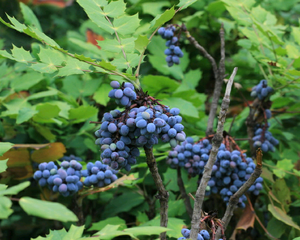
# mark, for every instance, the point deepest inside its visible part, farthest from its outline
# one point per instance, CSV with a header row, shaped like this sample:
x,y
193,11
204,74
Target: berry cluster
x,y
230,171
69,158
141,125
65,180
123,94
203,235
264,139
98,175
173,52
262,90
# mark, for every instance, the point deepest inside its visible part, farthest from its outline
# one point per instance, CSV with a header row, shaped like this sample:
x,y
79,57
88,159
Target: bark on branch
x,y
216,142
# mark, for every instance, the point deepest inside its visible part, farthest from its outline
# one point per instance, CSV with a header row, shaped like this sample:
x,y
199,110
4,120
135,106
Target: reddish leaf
x,y
92,38
51,153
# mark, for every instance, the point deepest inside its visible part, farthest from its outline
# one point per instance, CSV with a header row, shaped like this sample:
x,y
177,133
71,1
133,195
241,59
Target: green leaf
x,y
26,81
114,9
53,235
21,55
141,42
43,68
292,51
46,113
281,191
276,228
51,56
75,232
126,25
101,95
3,165
43,94
296,34
112,221
163,18
47,210
45,132
282,166
190,80
29,17
5,205
158,84
186,108
112,45
82,113
154,9
4,147
183,4
282,216
73,66
15,189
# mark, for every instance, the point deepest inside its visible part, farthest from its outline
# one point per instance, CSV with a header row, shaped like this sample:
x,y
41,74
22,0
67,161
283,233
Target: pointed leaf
x,y
141,43
5,207
162,18
29,17
3,165
47,210
126,24
15,189
4,147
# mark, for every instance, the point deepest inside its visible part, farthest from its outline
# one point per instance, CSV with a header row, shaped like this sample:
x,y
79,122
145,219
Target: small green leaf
x,y
163,18
112,221
282,166
186,108
282,216
26,81
141,43
46,112
276,228
29,17
74,233
21,55
5,207
183,4
25,114
15,189
4,147
3,165
43,94
292,51
126,25
101,95
47,210
154,9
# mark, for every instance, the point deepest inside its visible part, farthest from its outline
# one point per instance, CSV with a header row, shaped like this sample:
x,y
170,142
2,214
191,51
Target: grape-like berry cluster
x,y
230,171
203,235
173,52
69,158
98,175
123,94
65,180
122,133
262,90
264,139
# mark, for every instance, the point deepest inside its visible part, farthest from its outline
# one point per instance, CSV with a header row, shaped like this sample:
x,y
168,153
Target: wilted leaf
x,y
54,152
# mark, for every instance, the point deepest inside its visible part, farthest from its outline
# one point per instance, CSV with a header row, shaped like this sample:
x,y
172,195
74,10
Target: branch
x,y
163,194
216,142
77,209
234,200
184,195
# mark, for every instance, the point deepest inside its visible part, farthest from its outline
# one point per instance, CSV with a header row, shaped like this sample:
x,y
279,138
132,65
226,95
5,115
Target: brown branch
x,y
216,142
234,200
77,209
163,194
184,195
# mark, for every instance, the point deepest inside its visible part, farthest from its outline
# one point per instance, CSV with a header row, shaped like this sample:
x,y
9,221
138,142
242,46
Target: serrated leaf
x,y
29,17
84,58
53,235
47,210
73,66
112,45
75,232
141,43
21,55
107,65
101,95
183,4
51,56
282,216
25,114
114,9
162,18
4,147
282,166
46,112
125,24
5,207
154,9
15,189
43,68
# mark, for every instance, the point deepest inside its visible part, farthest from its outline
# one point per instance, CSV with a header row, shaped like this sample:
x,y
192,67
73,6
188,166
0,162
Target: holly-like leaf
x,y
101,95
29,17
282,166
126,25
4,147
141,43
25,114
183,4
3,165
162,18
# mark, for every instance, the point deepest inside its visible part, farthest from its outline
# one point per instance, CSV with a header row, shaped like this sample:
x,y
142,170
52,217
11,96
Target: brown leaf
x,y
53,152
246,221
19,165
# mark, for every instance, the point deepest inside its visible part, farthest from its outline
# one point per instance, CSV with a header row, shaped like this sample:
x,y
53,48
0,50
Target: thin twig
x,y
234,200
184,195
163,194
216,142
